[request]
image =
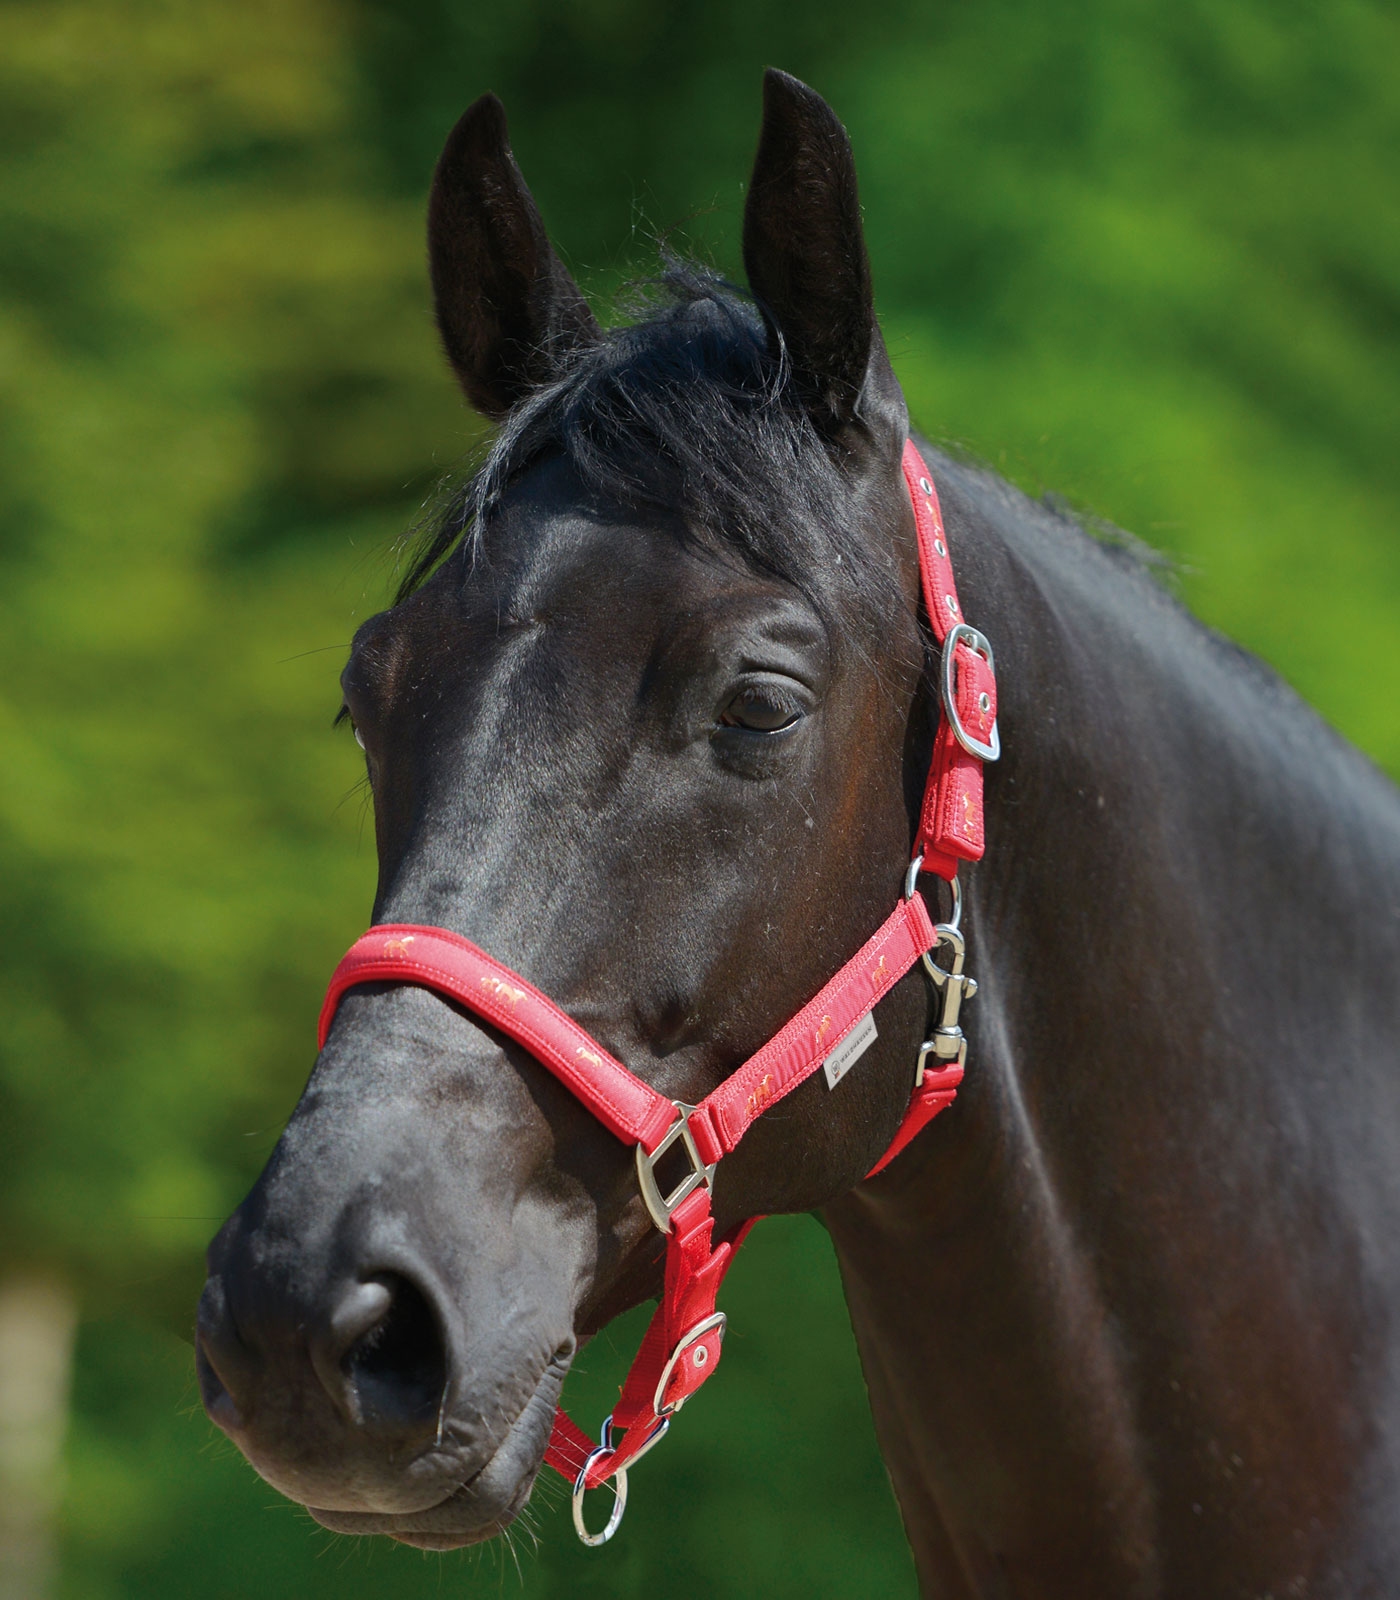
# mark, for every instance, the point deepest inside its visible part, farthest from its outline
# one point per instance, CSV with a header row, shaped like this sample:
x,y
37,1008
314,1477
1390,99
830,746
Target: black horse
x,y
649,723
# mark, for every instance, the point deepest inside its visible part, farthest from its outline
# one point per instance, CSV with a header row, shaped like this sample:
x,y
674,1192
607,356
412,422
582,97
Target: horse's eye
x,y
343,715
761,710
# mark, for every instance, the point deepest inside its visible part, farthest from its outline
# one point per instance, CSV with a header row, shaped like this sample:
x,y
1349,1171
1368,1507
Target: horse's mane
x,y
688,412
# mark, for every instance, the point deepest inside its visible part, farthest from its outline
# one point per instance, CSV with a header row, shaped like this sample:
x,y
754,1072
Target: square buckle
x,y
661,1206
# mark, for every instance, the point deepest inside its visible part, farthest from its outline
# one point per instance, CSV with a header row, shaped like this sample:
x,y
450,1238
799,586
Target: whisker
x,y
514,1556
442,1416
316,650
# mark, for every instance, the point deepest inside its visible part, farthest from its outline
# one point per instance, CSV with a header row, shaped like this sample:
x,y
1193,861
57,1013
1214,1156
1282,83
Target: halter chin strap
x,y
682,1344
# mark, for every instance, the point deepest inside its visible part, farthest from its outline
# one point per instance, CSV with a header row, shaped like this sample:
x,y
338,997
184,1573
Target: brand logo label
x,y
849,1051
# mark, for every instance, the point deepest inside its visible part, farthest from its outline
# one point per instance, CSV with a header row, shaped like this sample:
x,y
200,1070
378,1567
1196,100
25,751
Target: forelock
x,y
687,411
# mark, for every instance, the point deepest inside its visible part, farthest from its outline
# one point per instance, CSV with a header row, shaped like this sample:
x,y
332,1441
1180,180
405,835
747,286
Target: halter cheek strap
x,y
682,1344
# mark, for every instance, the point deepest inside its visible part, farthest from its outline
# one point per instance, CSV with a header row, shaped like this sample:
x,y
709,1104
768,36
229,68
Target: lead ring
x,y
911,883
618,1485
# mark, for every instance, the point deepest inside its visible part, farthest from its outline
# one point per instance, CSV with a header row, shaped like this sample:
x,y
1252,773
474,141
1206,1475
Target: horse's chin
x,y
486,1502
443,1541
474,1500
452,1524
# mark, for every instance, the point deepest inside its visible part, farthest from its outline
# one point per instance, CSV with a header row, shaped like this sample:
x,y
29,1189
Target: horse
x,y
649,723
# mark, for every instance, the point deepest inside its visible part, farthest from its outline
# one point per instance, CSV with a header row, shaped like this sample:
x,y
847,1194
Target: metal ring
x,y
911,883
618,1485
955,920
911,878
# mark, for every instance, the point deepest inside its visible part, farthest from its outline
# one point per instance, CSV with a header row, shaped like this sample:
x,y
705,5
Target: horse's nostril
x,y
360,1312
222,1362
395,1359
218,1402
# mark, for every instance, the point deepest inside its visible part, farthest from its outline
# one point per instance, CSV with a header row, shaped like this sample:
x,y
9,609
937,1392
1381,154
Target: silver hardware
x,y
617,1483
952,605
940,548
984,702
911,878
911,883
925,485
947,1043
661,1206
963,634
698,1332
654,1438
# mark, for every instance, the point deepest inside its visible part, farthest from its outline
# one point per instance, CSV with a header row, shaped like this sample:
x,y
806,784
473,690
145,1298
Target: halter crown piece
x,y
681,1347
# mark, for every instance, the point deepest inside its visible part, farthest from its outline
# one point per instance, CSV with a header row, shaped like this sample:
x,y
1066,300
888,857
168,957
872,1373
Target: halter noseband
x,y
681,1347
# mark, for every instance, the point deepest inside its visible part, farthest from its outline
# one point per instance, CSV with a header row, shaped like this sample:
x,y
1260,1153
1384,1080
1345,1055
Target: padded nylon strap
x,y
795,1052
936,1093
693,1276
935,564
436,958
950,821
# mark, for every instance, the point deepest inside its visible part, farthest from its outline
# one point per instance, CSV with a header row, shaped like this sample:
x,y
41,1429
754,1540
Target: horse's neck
x,y
1101,1299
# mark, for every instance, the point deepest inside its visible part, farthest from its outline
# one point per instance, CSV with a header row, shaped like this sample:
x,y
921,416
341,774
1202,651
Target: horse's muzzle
x,y
345,1391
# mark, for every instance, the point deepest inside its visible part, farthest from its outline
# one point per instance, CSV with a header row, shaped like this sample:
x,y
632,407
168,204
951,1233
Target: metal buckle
x,y
661,1206
961,633
618,1482
948,1043
698,1332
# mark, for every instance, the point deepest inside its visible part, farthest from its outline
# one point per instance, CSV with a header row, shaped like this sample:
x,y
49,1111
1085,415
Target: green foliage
x,y
1147,257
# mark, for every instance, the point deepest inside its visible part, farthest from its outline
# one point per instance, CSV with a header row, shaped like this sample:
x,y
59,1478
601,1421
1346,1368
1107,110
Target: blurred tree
x,y
203,311
36,1346
219,394
1147,257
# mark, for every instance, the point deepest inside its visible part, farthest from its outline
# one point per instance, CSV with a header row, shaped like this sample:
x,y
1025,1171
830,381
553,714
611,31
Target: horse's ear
x,y
804,252
507,308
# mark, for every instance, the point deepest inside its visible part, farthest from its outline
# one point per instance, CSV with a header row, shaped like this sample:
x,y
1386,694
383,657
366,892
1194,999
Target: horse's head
x,y
649,734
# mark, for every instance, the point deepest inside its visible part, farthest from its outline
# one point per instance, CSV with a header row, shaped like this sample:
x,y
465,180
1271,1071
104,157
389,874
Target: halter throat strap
x,y
682,1345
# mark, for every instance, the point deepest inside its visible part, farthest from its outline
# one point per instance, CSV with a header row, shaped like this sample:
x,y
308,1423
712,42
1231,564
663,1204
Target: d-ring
x,y
911,883
618,1485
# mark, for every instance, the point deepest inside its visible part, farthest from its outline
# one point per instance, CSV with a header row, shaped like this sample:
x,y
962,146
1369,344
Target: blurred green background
x,y
1146,256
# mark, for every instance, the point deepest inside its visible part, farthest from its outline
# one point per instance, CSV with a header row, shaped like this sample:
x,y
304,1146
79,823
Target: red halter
x,y
682,1345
